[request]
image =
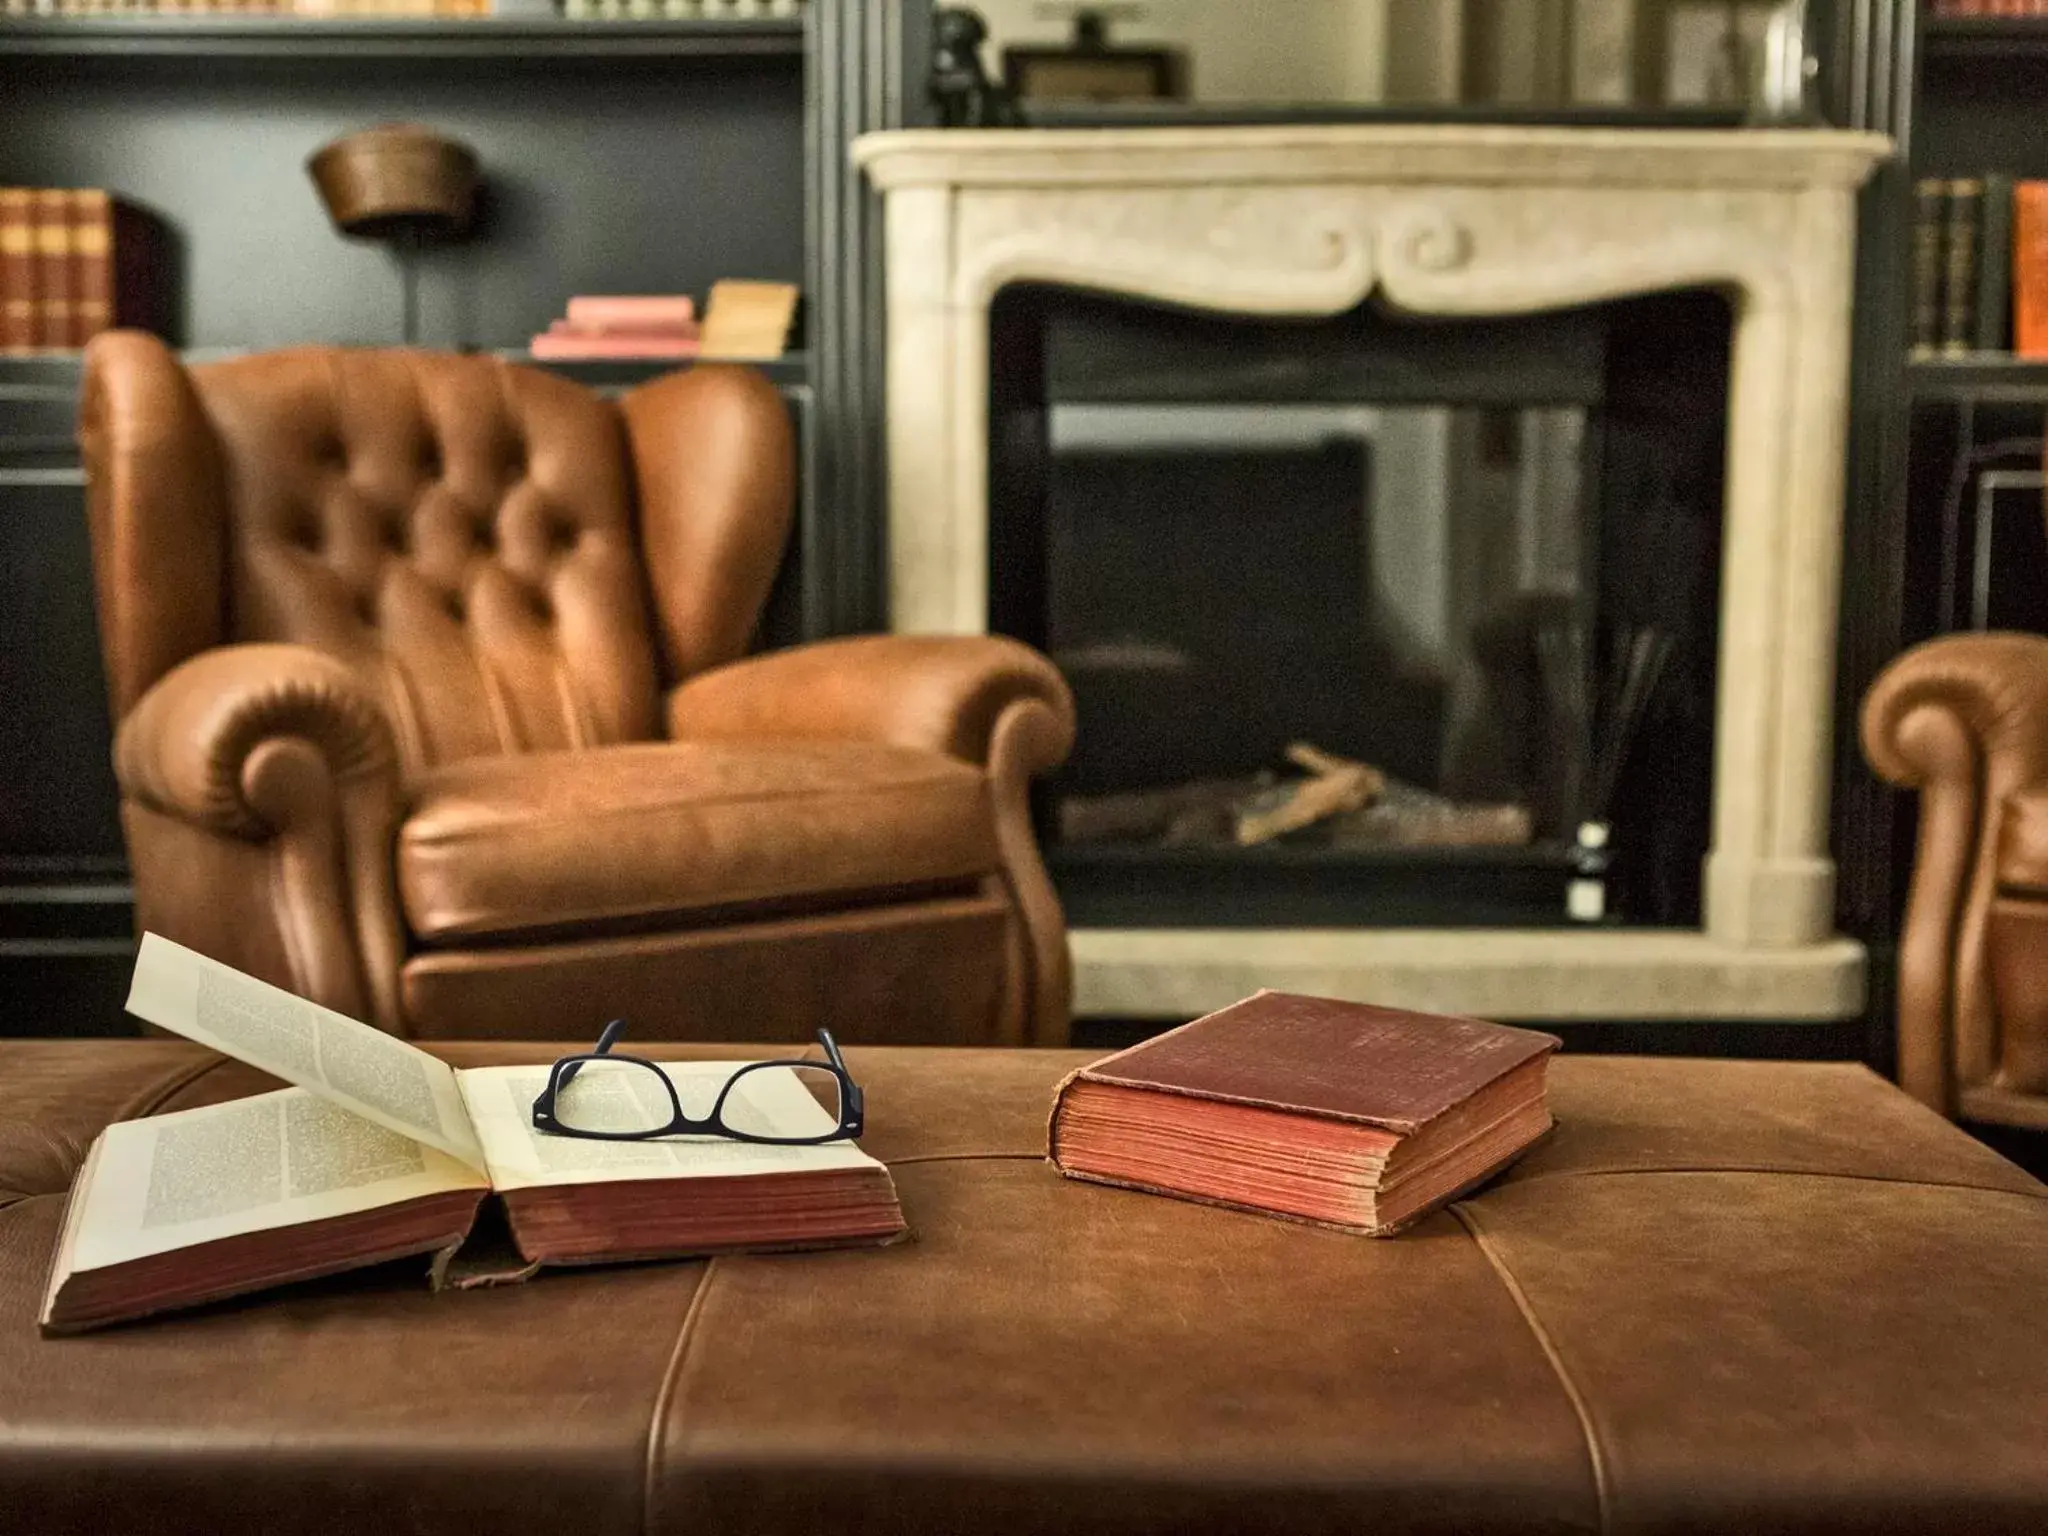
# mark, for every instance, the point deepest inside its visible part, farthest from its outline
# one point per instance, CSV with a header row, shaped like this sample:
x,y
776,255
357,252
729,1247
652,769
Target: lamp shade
x,y
396,177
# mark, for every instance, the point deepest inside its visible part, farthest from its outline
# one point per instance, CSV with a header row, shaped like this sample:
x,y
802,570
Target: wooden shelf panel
x,y
29,381
1978,376
286,37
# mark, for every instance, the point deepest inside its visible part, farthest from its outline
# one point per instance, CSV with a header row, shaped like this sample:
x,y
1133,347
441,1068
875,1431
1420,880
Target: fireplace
x,y
1421,223
1461,571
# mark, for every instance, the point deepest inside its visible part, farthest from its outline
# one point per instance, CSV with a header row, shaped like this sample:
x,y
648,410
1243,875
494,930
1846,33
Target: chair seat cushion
x,y
504,845
2023,844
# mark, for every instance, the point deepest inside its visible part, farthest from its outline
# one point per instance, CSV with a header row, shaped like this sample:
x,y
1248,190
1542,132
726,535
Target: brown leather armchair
x,y
432,705
1964,720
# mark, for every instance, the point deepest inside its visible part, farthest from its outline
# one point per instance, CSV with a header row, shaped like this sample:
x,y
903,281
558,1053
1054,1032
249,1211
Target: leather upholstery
x,y
387,637
1644,1325
496,845
927,691
1964,720
2023,844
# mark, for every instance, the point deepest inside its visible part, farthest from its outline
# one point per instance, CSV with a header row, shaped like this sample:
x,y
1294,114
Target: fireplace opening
x,y
1369,619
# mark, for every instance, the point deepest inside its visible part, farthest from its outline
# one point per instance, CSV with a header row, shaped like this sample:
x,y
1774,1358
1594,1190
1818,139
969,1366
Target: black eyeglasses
x,y
628,1098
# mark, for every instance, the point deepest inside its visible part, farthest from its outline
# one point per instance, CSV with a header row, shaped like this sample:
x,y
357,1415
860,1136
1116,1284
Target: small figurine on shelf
x,y
960,85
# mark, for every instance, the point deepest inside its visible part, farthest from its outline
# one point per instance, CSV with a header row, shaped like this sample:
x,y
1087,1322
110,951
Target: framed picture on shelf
x,y
1090,69
1702,53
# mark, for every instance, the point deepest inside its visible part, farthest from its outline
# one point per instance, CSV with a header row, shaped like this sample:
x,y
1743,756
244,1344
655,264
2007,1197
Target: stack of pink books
x,y
621,325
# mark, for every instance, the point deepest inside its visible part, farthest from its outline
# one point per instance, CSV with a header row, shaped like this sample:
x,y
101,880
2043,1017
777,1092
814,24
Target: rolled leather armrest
x,y
1989,690
191,746
1964,720
945,693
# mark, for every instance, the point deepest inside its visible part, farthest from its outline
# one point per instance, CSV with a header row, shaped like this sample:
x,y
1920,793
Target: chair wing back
x,y
457,530
715,459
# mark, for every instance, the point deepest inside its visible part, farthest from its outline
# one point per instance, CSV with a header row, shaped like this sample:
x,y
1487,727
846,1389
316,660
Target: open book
x,y
382,1151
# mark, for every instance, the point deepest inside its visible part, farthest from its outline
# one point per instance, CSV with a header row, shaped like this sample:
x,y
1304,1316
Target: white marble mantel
x,y
1439,220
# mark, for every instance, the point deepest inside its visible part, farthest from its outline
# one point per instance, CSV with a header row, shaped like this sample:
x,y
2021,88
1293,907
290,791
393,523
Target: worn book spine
x,y
1959,265
53,269
92,265
1930,200
2030,268
1994,267
17,271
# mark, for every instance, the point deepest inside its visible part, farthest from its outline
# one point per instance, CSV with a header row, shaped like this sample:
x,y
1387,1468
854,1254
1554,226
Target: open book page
x,y
501,1099
249,1165
378,1076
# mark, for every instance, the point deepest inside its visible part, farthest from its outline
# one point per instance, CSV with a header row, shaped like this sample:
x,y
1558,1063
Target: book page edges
x,y
67,1241
1355,1230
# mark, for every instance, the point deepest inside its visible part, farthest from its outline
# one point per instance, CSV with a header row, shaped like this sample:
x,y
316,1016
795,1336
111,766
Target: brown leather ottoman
x,y
1725,1296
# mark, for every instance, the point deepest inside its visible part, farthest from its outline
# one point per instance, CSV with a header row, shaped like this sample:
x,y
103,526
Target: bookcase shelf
x,y
54,376
1978,376
296,38
1985,37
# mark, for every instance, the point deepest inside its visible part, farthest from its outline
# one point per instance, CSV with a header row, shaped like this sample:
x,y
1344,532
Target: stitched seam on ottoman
x,y
686,1331
1776,1172
1594,1456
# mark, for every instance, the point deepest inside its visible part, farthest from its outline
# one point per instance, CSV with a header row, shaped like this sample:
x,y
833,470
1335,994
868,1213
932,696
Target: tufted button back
x,y
458,530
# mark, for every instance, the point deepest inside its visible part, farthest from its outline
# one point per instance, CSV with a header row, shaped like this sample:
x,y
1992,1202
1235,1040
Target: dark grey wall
x,y
602,175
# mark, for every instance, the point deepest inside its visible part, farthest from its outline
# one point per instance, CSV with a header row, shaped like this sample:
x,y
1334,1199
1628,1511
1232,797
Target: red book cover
x,y
2030,268
53,268
632,312
1309,1108
17,271
92,265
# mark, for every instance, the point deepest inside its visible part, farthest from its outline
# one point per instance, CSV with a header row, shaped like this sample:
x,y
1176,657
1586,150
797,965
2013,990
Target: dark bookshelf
x,y
1960,96
1978,376
1994,38
396,38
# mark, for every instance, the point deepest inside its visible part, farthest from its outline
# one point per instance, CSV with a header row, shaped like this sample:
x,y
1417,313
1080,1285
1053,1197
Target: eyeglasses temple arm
x,y
608,1038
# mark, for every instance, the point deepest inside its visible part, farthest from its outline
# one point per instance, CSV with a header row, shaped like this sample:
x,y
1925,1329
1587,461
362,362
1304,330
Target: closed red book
x,y
2030,268
18,331
92,264
632,311
1341,1114
53,268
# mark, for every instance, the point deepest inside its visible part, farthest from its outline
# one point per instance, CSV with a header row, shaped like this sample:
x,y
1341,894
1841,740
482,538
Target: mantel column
x,y
938,408
1769,880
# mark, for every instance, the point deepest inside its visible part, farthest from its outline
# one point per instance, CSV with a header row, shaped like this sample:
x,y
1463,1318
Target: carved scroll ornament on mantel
x,y
1314,250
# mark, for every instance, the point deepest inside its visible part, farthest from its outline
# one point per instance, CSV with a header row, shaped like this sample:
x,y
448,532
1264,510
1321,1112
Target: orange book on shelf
x,y
92,264
2030,268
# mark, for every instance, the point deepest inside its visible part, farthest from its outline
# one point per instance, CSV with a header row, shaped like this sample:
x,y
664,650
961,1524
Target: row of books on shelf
x,y
574,10
1989,8
741,320
74,262
1980,266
